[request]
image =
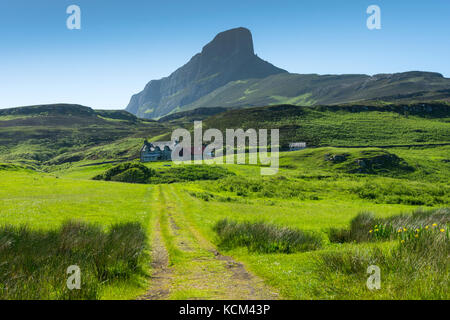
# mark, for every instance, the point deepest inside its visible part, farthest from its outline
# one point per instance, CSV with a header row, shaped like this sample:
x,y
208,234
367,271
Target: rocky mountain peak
x,y
228,57
231,42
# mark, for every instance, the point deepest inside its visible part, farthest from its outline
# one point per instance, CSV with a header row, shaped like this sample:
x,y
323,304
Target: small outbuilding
x,y
294,146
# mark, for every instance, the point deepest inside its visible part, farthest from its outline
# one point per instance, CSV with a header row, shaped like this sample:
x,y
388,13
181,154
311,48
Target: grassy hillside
x,y
62,133
350,125
187,117
313,89
364,160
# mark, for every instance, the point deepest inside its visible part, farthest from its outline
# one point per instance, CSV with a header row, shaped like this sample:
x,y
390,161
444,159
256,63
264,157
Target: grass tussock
x,y
195,172
33,264
274,187
366,227
417,267
265,238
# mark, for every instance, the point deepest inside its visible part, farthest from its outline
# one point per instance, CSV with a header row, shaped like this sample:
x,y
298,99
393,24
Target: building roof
x,y
162,144
152,146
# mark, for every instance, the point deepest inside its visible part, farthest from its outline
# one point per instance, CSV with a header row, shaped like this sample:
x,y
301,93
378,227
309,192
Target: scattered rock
x,y
336,158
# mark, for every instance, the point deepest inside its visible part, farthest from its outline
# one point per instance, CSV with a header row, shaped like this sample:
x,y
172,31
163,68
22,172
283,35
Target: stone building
x,y
157,151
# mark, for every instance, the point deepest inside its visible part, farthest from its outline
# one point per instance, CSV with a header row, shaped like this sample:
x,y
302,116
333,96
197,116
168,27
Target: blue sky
x,y
124,44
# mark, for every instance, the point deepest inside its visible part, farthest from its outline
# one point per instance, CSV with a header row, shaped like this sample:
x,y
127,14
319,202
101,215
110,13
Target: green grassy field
x,y
310,193
224,232
44,202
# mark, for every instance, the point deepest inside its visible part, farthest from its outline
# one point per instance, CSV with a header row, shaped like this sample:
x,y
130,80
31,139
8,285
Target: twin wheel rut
x,y
185,265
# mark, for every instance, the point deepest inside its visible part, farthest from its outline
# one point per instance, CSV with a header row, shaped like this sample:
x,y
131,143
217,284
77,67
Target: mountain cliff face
x,y
227,73
228,57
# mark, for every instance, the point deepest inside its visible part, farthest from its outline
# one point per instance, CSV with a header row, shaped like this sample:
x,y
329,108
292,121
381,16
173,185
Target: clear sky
x,y
124,44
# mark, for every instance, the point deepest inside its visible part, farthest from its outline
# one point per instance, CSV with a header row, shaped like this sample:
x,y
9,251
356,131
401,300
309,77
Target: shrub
x,y
191,173
132,175
265,238
127,172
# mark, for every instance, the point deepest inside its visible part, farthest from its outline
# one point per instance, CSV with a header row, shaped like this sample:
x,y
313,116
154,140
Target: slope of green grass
x,y
57,134
344,125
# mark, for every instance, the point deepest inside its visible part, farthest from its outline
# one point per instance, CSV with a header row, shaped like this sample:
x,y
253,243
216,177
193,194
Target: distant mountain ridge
x,y
313,89
227,73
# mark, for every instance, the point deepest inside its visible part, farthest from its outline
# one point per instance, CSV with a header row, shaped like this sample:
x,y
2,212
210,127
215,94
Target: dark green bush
x,y
127,172
133,175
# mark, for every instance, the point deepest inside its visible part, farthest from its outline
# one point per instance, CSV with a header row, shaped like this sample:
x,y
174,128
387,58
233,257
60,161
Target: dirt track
x,y
185,265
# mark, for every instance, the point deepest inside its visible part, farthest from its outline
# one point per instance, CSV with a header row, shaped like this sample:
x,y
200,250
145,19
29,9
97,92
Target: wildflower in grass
x,y
442,230
370,231
403,241
404,229
400,230
426,227
434,224
417,230
416,236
